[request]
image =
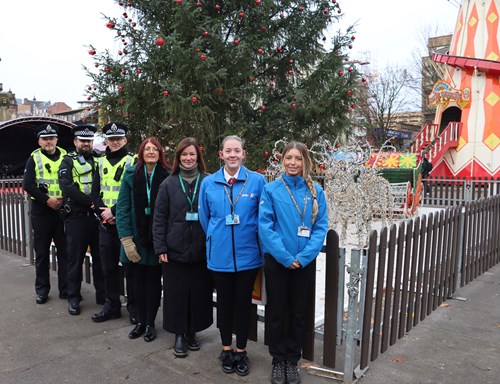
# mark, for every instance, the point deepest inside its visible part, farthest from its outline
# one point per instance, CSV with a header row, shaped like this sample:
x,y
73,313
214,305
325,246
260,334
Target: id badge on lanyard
x,y
191,216
232,219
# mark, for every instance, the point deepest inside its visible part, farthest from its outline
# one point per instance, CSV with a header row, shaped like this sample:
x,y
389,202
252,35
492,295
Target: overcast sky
x,y
43,44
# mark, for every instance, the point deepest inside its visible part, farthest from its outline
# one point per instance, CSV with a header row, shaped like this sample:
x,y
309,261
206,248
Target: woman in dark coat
x,y
134,213
179,241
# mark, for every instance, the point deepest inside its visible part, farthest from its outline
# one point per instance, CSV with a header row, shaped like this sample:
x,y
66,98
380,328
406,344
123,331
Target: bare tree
x,y
383,96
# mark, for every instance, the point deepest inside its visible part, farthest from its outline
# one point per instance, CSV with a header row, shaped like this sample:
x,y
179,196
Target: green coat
x,y
126,223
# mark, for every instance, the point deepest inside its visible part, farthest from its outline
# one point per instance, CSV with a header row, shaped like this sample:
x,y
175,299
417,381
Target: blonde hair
x,y
307,170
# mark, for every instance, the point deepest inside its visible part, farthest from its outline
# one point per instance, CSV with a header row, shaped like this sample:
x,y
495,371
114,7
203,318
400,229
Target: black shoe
x,y
292,373
278,376
137,331
241,360
192,341
227,359
150,333
180,346
105,315
133,319
74,309
63,296
41,299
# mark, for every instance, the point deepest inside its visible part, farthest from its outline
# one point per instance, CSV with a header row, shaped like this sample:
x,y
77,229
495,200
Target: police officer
x,y
75,179
105,188
40,181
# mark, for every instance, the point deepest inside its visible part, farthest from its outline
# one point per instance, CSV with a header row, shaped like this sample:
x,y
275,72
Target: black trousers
x,y
287,291
81,232
45,229
234,303
147,291
109,249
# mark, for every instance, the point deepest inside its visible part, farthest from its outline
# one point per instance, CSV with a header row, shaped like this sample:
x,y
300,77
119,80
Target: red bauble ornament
x,y
279,49
350,69
282,15
166,93
89,88
263,108
260,51
251,78
257,2
242,14
271,84
201,148
236,41
353,37
278,155
129,4
350,46
179,2
138,71
363,80
125,51
294,105
353,106
92,52
125,15
120,113
120,53
301,8
123,72
110,24
325,11
205,34
134,24
194,99
263,29
88,98
217,6
106,69
290,61
120,88
349,92
160,41
341,73
290,72
266,153
203,57
199,4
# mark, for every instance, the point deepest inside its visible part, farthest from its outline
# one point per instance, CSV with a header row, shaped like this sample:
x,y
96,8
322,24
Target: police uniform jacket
x,y
79,201
39,198
113,158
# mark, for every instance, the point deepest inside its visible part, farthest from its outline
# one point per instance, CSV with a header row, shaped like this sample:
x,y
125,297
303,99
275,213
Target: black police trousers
x,y
81,232
45,229
109,249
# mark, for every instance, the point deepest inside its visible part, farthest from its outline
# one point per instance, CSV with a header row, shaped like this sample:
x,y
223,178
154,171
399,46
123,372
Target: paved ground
x,y
44,344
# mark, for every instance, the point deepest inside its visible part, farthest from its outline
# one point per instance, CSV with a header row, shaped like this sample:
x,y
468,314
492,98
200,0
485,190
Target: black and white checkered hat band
x,y
84,134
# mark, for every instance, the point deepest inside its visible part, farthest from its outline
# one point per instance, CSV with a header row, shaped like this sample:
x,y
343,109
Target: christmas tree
x,y
260,69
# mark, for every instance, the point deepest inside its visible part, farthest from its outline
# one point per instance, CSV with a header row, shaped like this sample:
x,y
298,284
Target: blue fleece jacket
x,y
231,248
279,220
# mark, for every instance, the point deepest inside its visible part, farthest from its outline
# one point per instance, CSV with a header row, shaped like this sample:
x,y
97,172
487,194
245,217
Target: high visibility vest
x,y
109,186
47,171
82,173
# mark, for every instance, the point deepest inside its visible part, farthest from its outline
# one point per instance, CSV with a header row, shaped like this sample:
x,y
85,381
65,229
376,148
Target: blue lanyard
x,y
149,181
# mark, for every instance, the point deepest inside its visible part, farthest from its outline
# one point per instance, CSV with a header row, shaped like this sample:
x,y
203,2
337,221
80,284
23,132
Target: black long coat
x,y
187,283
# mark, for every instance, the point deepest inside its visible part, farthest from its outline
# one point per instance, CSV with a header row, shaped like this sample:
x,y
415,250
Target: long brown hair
x,y
186,142
140,153
307,170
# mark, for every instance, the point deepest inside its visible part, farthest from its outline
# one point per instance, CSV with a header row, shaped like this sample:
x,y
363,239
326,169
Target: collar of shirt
x,y
227,176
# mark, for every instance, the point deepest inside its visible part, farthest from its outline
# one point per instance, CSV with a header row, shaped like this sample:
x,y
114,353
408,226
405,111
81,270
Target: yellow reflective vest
x,y
110,182
46,171
82,173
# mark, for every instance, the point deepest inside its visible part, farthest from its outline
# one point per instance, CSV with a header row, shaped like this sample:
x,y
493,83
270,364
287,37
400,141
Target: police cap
x,y
114,130
84,132
47,130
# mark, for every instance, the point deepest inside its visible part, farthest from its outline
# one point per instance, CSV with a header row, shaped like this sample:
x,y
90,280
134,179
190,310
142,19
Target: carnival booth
x,y
464,138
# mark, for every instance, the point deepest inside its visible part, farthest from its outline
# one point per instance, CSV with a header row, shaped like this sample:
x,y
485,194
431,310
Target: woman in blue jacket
x,y
293,223
134,220
228,211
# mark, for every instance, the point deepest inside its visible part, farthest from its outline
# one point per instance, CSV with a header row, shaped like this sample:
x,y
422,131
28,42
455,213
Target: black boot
x,y
227,359
192,341
180,346
137,331
241,361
